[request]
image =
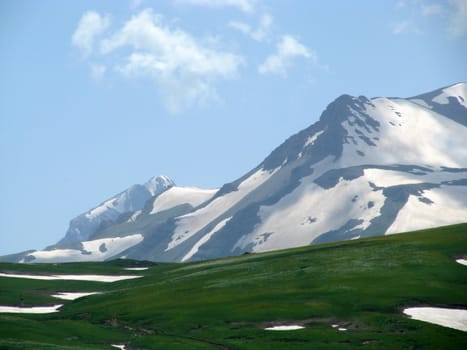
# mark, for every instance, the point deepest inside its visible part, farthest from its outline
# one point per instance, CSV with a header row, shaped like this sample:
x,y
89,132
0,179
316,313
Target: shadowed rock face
x,y
367,167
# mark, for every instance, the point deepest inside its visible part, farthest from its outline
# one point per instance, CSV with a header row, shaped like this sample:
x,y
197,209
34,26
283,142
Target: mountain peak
x,y
157,184
367,167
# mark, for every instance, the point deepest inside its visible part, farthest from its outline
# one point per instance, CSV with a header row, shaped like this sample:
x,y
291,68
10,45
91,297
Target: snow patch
x,y
30,310
388,178
458,91
204,239
451,201
92,250
72,295
451,318
135,215
311,140
284,328
119,346
92,278
136,268
181,195
461,261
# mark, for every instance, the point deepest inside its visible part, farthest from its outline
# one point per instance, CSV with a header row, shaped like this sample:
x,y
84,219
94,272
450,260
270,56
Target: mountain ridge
x,y
366,167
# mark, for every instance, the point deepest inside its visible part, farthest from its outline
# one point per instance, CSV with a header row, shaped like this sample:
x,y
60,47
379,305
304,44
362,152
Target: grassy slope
x,y
223,304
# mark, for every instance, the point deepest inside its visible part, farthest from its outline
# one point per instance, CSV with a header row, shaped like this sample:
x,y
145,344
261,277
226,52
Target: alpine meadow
x,y
233,174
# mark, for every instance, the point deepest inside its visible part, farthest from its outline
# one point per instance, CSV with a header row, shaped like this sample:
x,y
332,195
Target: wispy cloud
x,y
450,16
430,9
90,27
401,26
287,50
184,69
258,34
247,6
458,18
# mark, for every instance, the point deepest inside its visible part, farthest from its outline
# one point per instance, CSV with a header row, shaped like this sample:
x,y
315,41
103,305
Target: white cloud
x,y
458,18
184,69
431,9
260,34
247,6
90,27
288,49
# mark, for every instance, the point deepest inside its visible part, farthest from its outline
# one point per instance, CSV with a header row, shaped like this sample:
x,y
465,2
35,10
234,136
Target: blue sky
x,y
98,95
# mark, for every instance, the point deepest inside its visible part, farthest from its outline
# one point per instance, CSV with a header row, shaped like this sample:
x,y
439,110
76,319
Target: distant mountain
x,y
367,167
107,213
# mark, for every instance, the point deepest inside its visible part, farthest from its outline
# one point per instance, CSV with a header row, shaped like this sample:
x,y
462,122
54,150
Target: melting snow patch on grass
x,y
119,346
30,310
72,295
451,318
92,278
291,327
136,268
461,261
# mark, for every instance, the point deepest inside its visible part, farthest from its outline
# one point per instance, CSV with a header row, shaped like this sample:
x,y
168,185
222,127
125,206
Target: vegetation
x,y
361,285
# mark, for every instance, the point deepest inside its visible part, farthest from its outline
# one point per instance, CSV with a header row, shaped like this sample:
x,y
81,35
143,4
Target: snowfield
x,y
92,278
461,261
451,318
30,310
458,91
416,215
175,196
95,250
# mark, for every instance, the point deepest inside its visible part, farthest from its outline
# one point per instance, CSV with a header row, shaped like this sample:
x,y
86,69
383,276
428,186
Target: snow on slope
x,y
406,134
446,205
158,184
400,133
132,199
451,318
457,91
190,224
310,210
73,295
204,239
180,195
96,250
91,278
30,310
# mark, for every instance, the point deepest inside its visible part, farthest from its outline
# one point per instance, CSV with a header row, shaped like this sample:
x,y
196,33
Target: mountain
x,y
107,213
367,167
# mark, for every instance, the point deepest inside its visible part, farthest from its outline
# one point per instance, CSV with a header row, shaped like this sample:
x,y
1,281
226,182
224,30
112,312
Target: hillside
x,y
360,287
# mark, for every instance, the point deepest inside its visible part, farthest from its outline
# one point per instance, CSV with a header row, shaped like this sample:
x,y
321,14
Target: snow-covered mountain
x,y
107,213
367,167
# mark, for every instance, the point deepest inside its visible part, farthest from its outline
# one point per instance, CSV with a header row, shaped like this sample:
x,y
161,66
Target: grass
x,y
362,285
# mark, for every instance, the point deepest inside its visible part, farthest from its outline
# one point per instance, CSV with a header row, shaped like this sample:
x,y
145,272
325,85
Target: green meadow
x,y
360,285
